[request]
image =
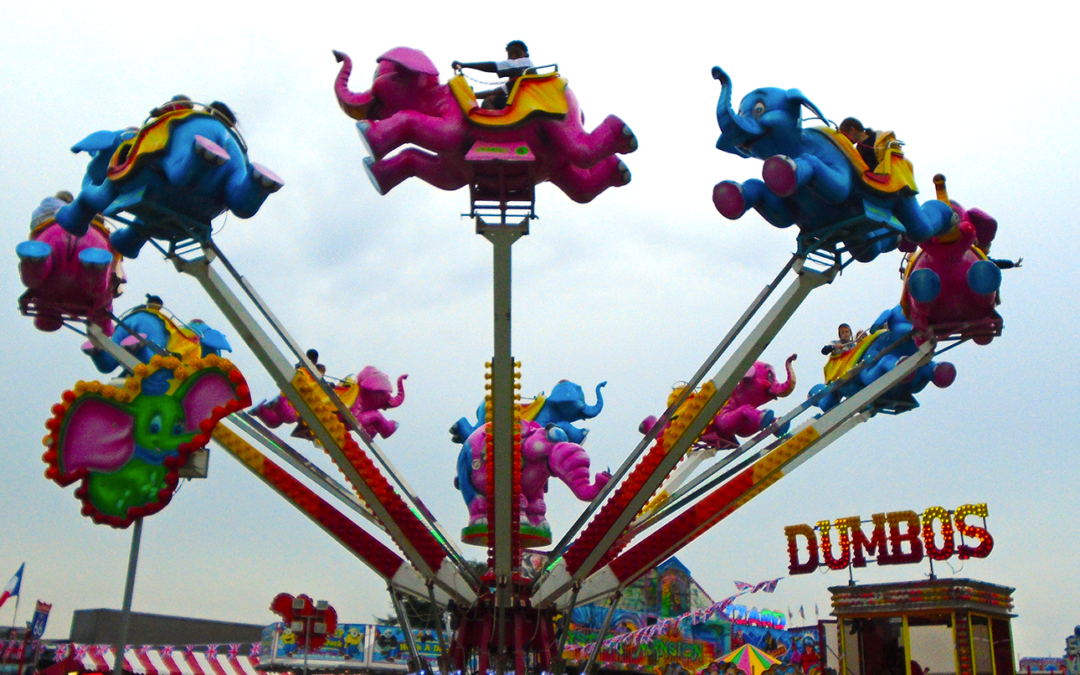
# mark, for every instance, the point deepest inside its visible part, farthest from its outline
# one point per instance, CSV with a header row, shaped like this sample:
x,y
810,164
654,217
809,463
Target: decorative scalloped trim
x,y
126,394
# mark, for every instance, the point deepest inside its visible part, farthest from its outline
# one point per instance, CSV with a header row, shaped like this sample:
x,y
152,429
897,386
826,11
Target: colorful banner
x,y
41,617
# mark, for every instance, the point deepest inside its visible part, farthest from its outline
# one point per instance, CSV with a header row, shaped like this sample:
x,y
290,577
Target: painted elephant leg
x,y
743,421
92,199
127,241
375,424
248,189
434,134
583,185
733,200
925,221
478,509
35,262
386,174
587,149
535,510
866,248
784,175
94,263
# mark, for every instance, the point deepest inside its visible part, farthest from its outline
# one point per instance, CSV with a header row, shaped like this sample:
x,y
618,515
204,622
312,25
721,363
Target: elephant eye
x,y
759,110
178,428
155,425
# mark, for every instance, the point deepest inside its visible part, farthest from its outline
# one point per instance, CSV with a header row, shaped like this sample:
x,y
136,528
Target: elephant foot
x,y
629,141
74,218
363,127
624,173
767,418
369,169
267,179
95,258
48,323
127,242
924,285
728,199
33,251
944,374
210,151
984,277
780,175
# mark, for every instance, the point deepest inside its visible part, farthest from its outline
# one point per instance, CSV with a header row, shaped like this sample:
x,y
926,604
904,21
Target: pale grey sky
x,y
635,288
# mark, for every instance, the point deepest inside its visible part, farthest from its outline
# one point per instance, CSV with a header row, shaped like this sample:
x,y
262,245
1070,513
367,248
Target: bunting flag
x,y
766,586
13,586
743,586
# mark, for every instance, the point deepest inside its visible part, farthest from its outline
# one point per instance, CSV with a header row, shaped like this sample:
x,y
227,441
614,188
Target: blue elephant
x,y
184,167
889,328
815,178
158,328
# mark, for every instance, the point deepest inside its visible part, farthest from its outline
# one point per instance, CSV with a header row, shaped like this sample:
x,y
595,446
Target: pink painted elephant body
x,y
371,393
67,276
950,286
742,415
408,105
545,453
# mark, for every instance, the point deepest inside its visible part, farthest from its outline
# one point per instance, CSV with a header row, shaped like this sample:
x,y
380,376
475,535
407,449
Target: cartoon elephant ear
x,y
796,96
202,393
96,435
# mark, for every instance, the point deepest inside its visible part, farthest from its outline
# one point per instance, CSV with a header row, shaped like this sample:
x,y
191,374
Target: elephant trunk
x,y
570,463
591,411
782,389
397,400
355,105
735,130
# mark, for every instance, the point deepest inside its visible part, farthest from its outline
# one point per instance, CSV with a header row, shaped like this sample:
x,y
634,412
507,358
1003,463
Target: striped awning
x,y
232,659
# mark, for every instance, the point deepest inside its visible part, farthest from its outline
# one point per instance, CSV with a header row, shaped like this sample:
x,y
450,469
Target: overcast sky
x,y
635,288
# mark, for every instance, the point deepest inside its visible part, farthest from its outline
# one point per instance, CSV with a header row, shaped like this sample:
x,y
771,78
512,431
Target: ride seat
x,y
533,95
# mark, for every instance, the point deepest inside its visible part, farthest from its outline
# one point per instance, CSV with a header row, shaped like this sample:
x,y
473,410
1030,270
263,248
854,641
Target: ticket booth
x,y
934,627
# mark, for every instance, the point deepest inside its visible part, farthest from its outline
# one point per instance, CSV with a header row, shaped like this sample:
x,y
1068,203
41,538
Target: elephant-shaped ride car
x,y
950,286
890,328
538,137
67,277
816,179
127,443
564,405
149,329
366,396
185,166
545,453
741,415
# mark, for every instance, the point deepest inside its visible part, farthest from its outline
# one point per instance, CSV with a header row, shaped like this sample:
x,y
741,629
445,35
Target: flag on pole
x,y
816,615
789,614
802,614
13,586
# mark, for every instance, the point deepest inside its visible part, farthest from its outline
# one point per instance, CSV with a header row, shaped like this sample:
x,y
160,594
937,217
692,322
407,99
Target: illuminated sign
x,y
897,538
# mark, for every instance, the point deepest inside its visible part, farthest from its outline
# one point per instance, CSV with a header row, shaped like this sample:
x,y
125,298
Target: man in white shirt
x,y
517,61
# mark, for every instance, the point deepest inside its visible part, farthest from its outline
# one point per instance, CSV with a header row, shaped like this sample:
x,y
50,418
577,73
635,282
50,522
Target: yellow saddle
x,y
532,96
893,172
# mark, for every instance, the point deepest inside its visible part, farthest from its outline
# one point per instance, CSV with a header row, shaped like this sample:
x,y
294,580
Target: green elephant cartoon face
x,y
127,452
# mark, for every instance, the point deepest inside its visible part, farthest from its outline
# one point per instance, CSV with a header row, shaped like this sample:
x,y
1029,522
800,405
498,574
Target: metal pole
x,y
129,590
603,633
406,627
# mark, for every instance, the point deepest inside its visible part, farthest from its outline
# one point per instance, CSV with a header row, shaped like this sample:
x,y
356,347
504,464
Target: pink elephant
x,y
545,453
741,415
951,286
67,277
407,105
367,396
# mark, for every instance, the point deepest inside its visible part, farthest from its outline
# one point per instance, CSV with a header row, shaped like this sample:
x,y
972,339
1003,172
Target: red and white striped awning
x,y
167,660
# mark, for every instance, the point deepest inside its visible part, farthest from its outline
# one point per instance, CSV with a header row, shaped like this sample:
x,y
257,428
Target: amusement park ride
x,y
187,164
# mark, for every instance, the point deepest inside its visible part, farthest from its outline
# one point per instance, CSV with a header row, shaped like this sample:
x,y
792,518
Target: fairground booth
x,y
929,627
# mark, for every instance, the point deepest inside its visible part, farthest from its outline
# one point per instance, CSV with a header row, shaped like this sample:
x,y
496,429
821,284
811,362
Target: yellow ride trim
x,y
532,95
838,364
151,139
891,162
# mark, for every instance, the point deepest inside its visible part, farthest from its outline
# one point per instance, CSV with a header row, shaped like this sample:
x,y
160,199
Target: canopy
x,y
748,659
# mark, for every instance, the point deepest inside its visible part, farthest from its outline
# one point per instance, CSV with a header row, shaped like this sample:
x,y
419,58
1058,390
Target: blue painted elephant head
x,y
566,404
145,326
816,178
184,167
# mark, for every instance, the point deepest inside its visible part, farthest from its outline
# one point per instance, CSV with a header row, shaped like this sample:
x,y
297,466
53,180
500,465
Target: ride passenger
x,y
516,63
863,138
844,342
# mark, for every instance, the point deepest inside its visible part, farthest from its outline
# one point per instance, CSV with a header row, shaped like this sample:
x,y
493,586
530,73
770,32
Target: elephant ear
x,y
204,392
797,97
96,435
96,142
410,59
